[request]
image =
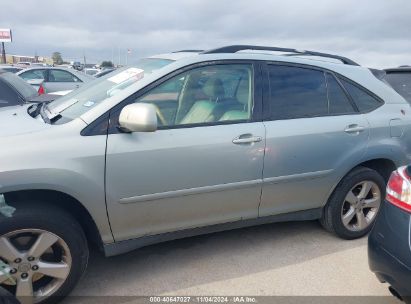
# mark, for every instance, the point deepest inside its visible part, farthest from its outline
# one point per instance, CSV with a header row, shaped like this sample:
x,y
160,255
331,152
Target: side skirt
x,y
130,245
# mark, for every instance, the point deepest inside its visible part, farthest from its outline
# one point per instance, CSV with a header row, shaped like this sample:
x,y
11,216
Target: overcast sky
x,y
375,33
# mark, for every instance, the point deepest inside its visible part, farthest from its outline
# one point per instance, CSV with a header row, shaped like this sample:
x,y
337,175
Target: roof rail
x,y
295,52
189,51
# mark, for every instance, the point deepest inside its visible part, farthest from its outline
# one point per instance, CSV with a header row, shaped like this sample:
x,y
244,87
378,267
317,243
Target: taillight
x,y
399,189
41,90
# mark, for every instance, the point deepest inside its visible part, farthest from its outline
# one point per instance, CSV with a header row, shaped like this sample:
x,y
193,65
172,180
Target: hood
x,y
16,121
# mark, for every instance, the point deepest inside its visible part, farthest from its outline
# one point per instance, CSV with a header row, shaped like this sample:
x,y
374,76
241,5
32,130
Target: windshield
x,y
401,82
86,97
26,90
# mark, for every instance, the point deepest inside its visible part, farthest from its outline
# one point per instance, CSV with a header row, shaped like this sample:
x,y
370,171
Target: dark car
x,y
400,79
15,91
389,247
11,68
104,72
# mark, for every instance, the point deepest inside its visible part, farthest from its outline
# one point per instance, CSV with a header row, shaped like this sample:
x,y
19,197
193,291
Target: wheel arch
x,y
383,165
63,201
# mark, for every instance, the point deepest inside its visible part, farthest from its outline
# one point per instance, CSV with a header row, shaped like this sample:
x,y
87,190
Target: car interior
x,y
204,95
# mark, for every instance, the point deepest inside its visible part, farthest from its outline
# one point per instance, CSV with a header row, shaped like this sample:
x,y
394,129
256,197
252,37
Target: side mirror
x,y
138,117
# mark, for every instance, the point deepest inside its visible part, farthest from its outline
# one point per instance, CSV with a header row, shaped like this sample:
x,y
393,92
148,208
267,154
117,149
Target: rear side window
x,y
339,102
62,76
33,74
8,96
364,101
297,92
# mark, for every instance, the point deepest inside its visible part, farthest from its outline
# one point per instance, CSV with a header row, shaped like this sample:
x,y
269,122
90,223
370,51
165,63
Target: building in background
x,y
15,59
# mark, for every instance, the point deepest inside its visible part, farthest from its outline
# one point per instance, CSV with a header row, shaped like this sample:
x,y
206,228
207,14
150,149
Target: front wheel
x,y
43,253
353,207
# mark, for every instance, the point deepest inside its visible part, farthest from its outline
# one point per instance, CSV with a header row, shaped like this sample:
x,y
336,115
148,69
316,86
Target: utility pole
x,y
3,52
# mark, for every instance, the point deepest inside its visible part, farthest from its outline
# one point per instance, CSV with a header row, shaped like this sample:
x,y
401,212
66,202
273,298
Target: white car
x,y
56,79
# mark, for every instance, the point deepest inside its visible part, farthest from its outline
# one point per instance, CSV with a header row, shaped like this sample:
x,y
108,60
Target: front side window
x,y
34,74
296,92
364,101
212,94
62,76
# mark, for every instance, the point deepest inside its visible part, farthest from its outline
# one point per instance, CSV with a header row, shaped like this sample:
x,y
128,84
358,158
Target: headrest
x,y
214,88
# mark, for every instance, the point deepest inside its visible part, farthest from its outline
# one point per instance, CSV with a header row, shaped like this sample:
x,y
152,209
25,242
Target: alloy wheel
x,y
35,264
361,206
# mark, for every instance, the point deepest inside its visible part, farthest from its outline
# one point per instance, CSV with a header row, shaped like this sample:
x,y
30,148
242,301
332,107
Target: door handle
x,y
354,129
246,139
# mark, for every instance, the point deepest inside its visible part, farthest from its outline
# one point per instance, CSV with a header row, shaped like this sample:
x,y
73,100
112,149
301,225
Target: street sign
x,y
5,35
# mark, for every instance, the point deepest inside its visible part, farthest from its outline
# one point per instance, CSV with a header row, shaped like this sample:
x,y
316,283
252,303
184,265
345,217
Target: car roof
x,y
175,55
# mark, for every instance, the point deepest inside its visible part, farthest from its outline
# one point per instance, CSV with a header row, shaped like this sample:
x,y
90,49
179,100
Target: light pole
x,y
3,52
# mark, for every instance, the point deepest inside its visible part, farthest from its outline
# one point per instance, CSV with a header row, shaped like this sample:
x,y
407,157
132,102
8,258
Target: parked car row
x,y
195,142
15,91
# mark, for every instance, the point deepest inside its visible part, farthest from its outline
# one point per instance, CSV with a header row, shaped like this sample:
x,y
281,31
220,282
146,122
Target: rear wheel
x,y
353,207
43,253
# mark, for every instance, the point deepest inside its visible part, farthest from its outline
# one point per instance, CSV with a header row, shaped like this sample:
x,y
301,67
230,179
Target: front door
x,y
203,166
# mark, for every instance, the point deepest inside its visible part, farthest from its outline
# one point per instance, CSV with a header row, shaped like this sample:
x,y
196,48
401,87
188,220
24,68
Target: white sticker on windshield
x,y
89,104
127,74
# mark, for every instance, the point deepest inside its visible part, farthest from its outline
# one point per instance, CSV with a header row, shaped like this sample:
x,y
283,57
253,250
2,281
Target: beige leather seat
x,y
241,110
203,110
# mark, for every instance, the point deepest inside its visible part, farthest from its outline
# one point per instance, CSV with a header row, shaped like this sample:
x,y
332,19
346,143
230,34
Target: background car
x,y
104,72
11,68
400,79
15,91
56,79
389,250
91,72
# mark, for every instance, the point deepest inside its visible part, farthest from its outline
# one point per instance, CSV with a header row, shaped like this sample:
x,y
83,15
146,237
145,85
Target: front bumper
x,y
389,252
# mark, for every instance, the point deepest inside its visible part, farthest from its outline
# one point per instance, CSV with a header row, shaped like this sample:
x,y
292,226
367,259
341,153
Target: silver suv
x,y
191,143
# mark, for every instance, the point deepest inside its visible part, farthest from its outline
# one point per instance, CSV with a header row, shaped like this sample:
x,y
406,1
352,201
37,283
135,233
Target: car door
x,y
314,135
61,80
203,166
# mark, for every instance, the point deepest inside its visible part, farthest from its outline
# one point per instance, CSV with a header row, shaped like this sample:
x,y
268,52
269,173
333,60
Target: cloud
x,y
372,32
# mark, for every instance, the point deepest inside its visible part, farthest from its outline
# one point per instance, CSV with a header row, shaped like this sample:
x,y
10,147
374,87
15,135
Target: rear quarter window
x,y
8,96
364,100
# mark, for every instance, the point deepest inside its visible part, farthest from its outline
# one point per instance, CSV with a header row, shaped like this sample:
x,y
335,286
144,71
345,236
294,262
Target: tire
x,y
30,221
338,205
7,298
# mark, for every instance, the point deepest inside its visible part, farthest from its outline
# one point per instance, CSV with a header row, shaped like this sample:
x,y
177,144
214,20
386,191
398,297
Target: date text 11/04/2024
x,y
203,299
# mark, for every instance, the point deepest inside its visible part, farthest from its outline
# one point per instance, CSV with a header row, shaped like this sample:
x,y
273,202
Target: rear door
x,y
61,80
314,134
